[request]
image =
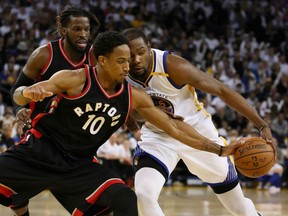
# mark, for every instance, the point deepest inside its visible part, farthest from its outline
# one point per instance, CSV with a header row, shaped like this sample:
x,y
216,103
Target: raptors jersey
x,y
82,123
180,100
58,60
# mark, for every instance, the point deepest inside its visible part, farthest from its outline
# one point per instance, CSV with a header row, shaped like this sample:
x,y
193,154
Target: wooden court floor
x,y
177,201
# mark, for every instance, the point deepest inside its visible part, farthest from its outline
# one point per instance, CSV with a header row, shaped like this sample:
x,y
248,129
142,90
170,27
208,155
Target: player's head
x,y
77,26
113,54
140,52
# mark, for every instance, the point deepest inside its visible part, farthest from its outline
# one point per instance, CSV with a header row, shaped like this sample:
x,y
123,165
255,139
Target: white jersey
x,y
182,101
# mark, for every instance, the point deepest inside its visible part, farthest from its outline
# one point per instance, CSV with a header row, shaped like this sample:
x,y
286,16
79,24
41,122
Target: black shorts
x,y
35,165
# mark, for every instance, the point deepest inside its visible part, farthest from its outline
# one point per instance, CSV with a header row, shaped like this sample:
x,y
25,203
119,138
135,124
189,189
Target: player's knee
x,y
145,194
124,203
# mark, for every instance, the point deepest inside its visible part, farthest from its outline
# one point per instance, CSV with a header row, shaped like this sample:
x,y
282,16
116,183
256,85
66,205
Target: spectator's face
x,y
7,131
77,33
140,57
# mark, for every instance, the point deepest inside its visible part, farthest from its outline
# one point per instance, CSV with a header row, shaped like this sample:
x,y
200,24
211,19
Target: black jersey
x,y
82,123
58,60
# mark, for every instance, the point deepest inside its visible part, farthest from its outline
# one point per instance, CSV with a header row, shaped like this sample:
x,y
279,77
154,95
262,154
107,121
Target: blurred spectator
x,y
232,136
2,106
272,180
10,72
22,52
116,154
285,162
126,168
109,150
279,127
6,140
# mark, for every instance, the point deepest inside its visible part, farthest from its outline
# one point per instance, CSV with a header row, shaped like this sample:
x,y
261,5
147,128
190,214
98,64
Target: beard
x,y
72,45
136,74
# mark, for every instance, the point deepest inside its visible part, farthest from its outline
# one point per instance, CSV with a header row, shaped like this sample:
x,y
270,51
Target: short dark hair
x,y
105,42
134,33
63,19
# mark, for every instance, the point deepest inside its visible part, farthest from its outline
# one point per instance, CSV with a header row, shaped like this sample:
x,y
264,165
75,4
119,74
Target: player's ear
x,y
149,45
101,60
63,32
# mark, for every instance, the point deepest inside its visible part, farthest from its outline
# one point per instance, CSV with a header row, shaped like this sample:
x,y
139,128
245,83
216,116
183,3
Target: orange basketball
x,y
254,158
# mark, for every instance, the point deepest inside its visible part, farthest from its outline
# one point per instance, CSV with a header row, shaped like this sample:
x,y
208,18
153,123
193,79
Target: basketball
x,y
254,158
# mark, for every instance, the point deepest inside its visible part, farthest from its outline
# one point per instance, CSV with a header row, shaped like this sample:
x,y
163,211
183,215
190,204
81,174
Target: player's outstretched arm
x,y
62,81
183,72
176,128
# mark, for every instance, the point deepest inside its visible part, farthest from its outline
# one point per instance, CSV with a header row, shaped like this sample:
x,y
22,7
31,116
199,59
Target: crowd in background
x,y
243,43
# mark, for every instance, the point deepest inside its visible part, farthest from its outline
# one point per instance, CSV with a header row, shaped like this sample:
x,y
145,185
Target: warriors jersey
x,y
180,100
167,151
58,60
81,124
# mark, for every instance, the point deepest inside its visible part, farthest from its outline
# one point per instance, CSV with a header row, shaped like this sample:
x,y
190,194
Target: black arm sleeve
x,y
22,80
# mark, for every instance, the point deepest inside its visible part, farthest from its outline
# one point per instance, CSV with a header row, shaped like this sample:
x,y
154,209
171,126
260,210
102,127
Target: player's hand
x,y
267,135
36,93
22,119
232,147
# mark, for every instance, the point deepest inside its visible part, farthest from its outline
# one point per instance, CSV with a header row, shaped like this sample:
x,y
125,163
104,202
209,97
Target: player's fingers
x,y
14,122
239,143
44,94
47,94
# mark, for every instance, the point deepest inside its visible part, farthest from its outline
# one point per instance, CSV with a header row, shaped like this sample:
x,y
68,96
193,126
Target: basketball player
x,y
171,81
57,152
71,51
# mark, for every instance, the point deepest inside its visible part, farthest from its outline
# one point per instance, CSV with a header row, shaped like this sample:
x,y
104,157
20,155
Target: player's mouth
x,y
137,69
81,44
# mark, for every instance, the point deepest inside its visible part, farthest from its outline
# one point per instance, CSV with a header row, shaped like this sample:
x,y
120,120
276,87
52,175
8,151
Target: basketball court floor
x,y
177,201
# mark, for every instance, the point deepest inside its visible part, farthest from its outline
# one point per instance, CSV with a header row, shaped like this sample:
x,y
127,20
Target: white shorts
x,y
209,167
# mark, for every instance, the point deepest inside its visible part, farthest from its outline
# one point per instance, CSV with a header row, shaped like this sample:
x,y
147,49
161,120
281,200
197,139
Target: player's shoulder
x,y
42,52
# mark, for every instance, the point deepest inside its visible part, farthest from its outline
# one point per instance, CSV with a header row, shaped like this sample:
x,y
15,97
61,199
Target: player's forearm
x,y
189,136
18,96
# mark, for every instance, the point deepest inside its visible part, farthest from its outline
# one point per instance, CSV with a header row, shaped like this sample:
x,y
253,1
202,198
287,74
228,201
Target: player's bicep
x,y
182,72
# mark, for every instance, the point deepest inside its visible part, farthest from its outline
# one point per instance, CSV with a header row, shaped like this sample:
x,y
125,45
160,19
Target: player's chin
x,y
81,49
120,80
137,71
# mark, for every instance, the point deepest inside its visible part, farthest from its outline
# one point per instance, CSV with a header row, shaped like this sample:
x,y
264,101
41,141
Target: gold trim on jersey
x,y
159,74
198,105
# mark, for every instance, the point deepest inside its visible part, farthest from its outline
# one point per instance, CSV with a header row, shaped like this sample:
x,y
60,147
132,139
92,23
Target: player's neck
x,y
109,85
